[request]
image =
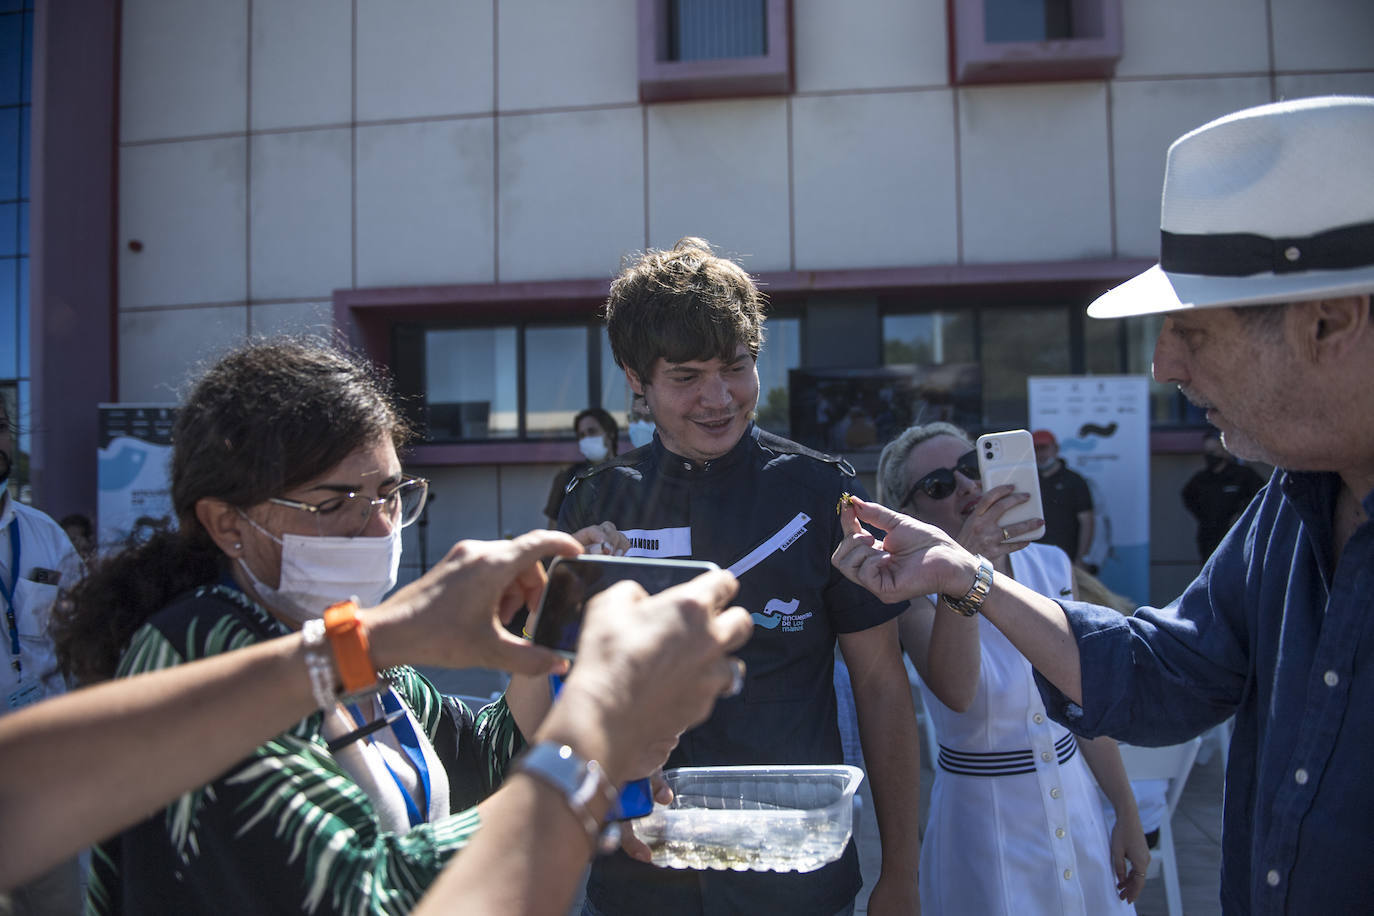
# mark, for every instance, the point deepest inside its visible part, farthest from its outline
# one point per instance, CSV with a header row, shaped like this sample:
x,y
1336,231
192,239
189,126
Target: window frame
x,y
975,60
663,80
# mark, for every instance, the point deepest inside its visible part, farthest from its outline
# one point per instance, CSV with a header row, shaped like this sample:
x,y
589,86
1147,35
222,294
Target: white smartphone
x,y
574,580
1010,458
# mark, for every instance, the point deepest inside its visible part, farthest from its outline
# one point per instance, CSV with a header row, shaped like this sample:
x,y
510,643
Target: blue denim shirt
x,y
1275,632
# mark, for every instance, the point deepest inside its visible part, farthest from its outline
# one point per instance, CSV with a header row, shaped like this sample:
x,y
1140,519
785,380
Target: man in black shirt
x,y
686,326
1218,494
1066,499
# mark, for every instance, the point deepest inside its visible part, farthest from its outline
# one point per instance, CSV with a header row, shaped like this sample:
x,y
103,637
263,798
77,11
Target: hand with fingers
x,y
650,667
1130,858
604,538
454,615
912,558
983,532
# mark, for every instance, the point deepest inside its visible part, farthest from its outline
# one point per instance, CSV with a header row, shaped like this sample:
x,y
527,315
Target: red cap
x,y
1043,437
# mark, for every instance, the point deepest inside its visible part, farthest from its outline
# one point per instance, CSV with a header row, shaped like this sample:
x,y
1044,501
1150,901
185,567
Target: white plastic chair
x,y
1174,764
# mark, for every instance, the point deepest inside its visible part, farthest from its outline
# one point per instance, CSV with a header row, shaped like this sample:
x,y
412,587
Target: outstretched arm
x,y
74,769
916,559
647,669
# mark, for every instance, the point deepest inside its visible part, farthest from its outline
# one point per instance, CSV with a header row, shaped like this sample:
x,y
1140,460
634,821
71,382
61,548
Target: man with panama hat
x,y
1265,275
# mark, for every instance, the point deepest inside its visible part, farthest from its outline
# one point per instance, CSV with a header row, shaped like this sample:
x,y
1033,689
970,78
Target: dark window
x,y
716,29
702,49
998,41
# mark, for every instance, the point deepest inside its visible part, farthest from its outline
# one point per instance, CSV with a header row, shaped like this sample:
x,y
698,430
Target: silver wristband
x,y
973,599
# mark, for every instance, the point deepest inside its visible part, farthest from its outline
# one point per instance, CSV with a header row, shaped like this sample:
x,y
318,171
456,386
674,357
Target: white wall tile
x,y
160,351
301,222
423,58
1183,37
524,490
1323,34
571,192
302,63
1306,85
1034,172
467,505
718,170
867,44
183,68
425,203
875,180
266,319
1147,116
556,54
187,203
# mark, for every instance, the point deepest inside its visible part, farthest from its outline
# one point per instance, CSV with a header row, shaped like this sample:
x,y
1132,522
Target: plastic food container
x,y
766,818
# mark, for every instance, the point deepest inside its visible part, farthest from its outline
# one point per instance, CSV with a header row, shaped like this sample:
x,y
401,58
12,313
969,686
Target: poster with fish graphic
x,y
1102,423
132,470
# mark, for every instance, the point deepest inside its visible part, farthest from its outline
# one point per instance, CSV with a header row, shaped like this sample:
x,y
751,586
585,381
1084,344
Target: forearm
x,y
75,769
945,650
1104,760
887,730
529,698
529,854
1085,534
1038,628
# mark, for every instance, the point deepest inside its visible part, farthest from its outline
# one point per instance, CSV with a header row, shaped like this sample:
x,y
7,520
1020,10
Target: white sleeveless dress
x,y
1014,825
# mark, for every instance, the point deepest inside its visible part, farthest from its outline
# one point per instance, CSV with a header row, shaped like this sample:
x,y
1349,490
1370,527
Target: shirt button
x,y
1272,878
1300,776
1068,874
1037,718
1054,793
1331,678
1045,755
1059,832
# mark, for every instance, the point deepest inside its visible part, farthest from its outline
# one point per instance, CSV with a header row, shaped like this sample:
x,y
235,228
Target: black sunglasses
x,y
940,482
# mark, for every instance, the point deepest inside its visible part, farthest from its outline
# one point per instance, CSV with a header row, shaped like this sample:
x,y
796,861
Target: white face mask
x,y
319,571
593,448
641,433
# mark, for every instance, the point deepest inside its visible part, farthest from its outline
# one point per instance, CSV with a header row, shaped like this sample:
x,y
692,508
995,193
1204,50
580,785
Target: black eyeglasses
x,y
940,482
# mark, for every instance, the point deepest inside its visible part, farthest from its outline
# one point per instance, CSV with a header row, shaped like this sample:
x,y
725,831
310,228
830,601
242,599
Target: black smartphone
x,y
575,580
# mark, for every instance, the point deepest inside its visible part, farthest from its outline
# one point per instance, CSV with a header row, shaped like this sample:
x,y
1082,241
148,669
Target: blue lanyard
x,y
8,591
410,743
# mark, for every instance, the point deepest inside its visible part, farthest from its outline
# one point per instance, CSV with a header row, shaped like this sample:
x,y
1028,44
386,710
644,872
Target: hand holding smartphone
x,y
1009,457
573,581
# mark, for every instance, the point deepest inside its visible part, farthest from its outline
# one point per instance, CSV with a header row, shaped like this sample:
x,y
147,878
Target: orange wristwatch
x,y
348,637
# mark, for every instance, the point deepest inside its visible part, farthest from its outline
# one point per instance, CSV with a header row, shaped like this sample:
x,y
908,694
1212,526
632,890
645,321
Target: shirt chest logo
x,y
782,615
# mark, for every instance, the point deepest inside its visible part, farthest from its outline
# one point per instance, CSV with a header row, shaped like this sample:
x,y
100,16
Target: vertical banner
x,y
1102,423
132,469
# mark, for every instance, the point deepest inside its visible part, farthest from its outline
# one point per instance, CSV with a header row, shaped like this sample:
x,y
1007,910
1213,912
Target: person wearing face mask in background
x,y
598,437
289,500
641,422
1218,494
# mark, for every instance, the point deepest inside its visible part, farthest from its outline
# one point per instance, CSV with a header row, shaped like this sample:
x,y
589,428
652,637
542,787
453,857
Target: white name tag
x,y
659,542
26,695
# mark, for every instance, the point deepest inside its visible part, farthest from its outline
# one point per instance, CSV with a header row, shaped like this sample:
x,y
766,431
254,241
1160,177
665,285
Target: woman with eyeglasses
x,y
289,500
1014,823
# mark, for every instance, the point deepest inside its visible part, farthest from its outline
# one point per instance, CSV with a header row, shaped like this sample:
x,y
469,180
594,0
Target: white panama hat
x,y
1268,204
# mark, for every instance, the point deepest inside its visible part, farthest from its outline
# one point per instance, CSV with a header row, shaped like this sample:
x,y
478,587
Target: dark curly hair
x,y
267,417
682,305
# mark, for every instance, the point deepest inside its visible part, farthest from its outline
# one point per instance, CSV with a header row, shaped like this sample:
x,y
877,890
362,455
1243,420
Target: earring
x,y
238,545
